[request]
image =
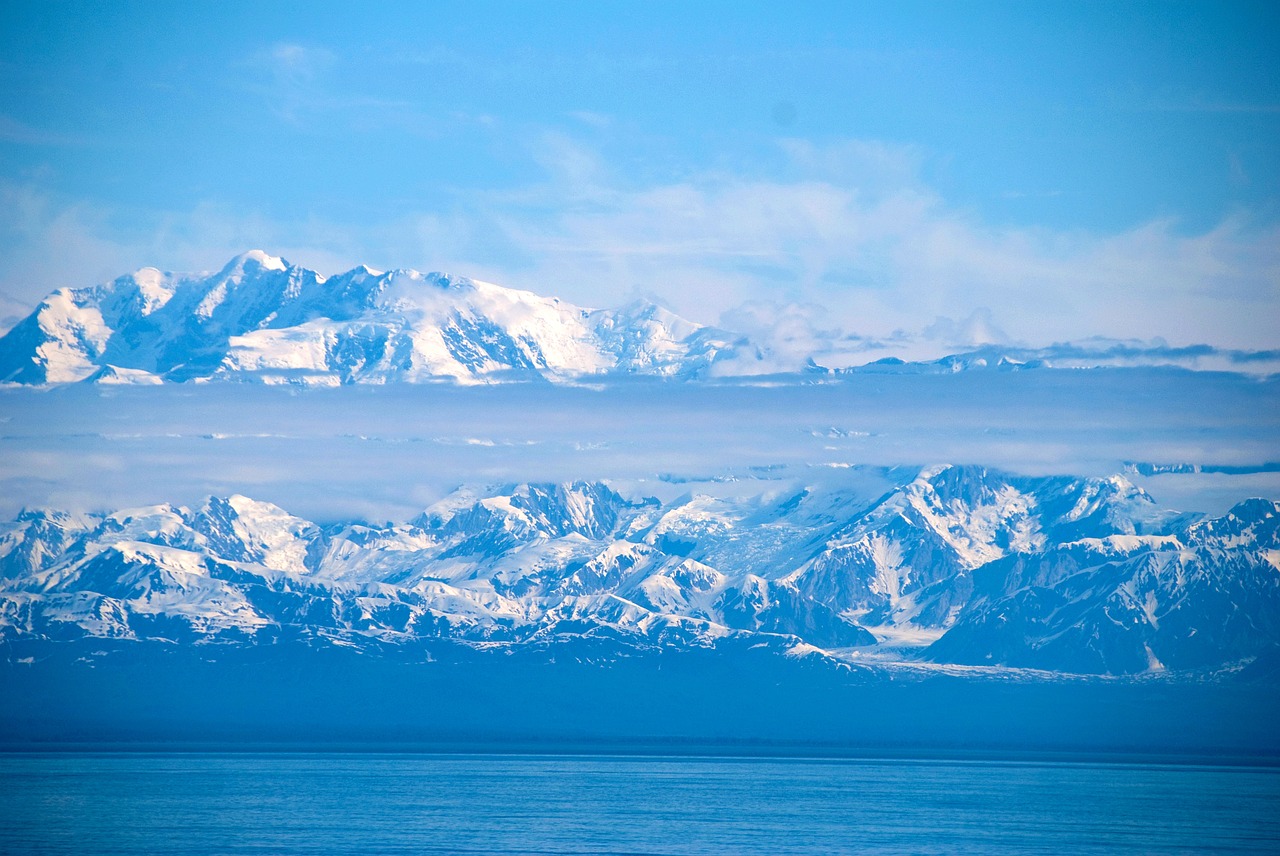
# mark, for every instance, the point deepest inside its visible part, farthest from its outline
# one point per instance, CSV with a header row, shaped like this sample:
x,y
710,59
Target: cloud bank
x,y
828,249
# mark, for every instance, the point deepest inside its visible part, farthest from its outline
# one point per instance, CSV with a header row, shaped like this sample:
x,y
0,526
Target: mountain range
x,y
956,566
260,319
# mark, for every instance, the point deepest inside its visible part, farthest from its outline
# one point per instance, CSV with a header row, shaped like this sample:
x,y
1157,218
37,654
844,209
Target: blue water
x,y
241,803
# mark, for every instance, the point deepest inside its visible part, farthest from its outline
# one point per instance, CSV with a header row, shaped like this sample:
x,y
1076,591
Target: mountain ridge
x,y
960,566
261,319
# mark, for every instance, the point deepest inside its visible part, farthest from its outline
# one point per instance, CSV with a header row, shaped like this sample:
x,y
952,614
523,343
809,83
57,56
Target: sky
x,y
926,175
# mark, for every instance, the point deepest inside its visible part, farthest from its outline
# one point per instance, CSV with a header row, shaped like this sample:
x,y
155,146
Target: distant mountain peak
x,y
261,319
264,320
254,259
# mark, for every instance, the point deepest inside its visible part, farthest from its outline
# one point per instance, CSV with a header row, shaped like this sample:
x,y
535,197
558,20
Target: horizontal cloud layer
x,y
847,240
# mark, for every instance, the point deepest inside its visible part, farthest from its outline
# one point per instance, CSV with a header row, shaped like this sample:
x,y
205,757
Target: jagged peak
x,y
262,319
58,516
244,507
1250,515
163,509
440,279
1255,507
952,481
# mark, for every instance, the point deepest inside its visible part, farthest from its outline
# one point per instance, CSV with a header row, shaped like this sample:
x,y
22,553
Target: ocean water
x,y
330,803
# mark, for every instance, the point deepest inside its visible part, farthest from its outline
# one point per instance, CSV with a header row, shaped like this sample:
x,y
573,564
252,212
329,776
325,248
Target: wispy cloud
x,y
858,232
852,250
301,83
296,62
591,119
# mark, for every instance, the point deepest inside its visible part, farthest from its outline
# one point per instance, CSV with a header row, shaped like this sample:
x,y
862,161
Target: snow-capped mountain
x,y
262,319
959,565
1124,603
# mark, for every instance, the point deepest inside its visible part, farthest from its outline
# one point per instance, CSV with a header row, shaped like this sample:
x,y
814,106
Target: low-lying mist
x,y
383,453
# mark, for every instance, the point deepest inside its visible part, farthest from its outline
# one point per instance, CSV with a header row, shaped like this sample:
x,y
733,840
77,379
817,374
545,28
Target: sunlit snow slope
x,y
262,319
957,566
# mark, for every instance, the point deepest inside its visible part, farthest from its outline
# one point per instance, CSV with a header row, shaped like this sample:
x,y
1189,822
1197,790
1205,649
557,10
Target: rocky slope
x,y
959,565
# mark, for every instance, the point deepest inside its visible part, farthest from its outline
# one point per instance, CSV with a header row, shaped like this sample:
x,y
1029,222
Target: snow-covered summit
x,y
263,319
958,565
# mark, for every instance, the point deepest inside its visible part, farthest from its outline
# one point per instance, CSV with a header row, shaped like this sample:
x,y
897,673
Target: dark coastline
x,y
101,696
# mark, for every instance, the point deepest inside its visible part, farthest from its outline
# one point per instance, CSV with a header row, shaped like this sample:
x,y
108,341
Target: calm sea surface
x,y
169,803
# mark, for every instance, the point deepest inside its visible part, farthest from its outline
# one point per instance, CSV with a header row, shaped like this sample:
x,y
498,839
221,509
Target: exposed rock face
x,y
1069,575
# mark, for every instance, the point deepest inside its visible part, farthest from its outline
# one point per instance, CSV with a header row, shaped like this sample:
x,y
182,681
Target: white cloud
x,y
885,255
975,331
850,250
295,61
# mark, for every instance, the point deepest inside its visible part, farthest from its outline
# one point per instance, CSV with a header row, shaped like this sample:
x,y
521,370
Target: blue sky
x,y
904,173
